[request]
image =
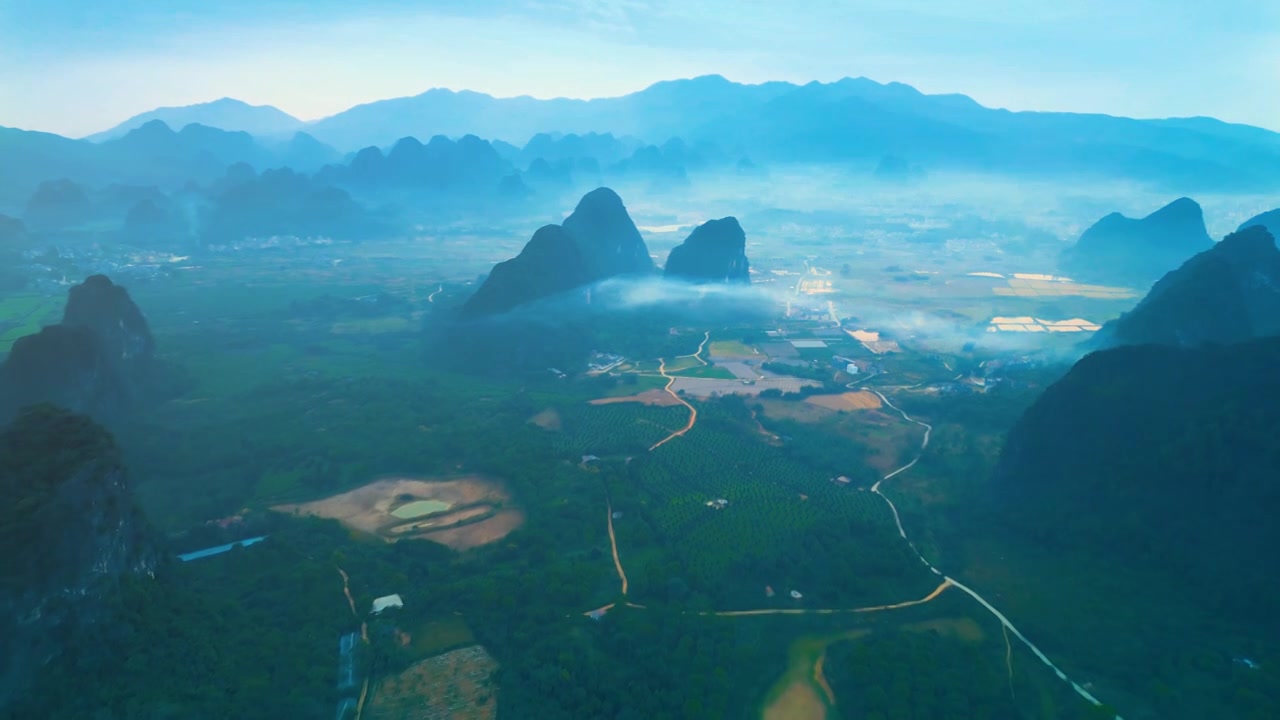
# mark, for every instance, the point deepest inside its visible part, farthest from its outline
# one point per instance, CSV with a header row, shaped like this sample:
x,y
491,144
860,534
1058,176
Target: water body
x,y
418,508
209,552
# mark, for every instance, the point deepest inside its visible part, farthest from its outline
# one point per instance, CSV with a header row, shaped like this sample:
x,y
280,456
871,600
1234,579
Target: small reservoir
x,y
418,508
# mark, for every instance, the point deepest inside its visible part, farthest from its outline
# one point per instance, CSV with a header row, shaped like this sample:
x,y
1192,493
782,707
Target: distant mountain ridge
x,y
1229,293
153,154
853,118
1270,220
262,121
1121,250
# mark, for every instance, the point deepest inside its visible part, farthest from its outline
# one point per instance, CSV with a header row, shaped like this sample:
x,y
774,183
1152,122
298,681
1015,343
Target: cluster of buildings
x,y
603,362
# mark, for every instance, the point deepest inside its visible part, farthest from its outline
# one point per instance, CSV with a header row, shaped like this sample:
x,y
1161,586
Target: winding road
x,y
698,354
693,413
1009,626
838,611
432,297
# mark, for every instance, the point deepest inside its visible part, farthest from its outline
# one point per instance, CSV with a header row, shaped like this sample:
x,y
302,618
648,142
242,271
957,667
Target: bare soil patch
x,y
648,397
369,509
858,400
799,411
548,419
472,535
455,685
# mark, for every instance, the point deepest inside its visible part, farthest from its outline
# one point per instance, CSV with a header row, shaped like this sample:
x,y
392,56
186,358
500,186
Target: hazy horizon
x,y
77,69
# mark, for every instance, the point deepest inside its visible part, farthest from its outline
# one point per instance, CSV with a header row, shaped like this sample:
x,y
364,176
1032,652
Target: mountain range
x,y
1229,293
1120,250
153,154
850,119
262,121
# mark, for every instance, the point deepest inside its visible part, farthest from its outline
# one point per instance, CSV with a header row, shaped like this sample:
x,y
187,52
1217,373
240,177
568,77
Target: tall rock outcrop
x,y
1124,251
91,362
608,239
71,532
714,253
1227,294
597,241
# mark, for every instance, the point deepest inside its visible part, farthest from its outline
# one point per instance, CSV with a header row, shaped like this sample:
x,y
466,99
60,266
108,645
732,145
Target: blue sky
x,y
79,67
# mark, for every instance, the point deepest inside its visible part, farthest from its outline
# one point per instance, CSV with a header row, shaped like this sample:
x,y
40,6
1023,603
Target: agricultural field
x,y
731,348
711,372
786,524
456,684
843,402
26,314
613,429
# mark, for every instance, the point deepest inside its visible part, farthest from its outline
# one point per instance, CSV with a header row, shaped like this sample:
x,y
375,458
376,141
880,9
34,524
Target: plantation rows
x,y
763,486
619,429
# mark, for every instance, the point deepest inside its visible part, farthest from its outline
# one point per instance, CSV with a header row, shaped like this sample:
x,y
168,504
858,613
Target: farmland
x,y
26,314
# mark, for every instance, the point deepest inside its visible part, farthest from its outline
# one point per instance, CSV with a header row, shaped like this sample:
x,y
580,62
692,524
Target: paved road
x,y
958,585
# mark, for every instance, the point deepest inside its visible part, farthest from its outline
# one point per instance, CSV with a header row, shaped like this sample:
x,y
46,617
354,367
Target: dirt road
x,y
693,413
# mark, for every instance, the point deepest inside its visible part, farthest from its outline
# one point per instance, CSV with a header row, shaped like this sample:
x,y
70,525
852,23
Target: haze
x,y
603,360
79,67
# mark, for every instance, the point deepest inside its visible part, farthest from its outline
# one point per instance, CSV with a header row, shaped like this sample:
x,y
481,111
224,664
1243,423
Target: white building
x,y
388,601
851,368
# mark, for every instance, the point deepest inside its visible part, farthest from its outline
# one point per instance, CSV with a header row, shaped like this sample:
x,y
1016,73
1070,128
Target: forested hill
x,y
1160,457
70,532
1229,293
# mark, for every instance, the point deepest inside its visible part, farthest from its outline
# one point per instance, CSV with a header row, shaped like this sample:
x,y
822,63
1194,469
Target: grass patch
x,y
440,634
731,348
706,371
683,363
24,315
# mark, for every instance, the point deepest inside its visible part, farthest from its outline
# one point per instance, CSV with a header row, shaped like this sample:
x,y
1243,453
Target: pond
x,y
418,508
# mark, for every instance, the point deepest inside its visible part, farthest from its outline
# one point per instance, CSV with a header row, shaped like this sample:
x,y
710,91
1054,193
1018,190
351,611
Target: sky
x,y
78,67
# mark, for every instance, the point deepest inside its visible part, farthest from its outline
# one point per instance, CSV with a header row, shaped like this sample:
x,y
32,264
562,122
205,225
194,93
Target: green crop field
x,y
731,348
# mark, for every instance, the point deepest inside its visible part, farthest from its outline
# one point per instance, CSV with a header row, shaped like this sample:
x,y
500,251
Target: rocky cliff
x,y
597,241
90,362
714,253
71,532
1132,252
